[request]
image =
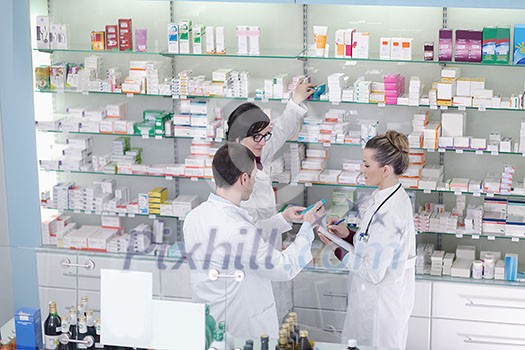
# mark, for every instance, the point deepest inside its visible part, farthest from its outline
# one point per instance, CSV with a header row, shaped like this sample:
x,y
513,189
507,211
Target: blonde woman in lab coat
x,y
381,262
250,126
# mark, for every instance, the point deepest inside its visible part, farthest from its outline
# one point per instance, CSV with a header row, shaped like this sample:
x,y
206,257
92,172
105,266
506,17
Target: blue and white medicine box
x,y
28,327
519,44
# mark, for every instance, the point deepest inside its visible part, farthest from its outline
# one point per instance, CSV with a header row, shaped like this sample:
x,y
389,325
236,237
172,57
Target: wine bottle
x,y
293,315
90,321
52,327
265,342
304,342
73,332
98,344
64,329
82,331
293,334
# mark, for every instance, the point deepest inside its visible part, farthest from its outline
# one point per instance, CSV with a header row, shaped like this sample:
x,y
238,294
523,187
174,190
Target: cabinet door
x,y
467,335
176,283
320,291
422,302
418,333
89,279
53,273
478,303
328,324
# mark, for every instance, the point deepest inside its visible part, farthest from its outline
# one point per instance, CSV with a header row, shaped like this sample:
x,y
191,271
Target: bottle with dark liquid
x,y
52,328
73,332
304,342
64,329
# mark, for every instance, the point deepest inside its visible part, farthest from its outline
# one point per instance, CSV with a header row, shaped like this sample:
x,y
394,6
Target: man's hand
x,y
315,215
293,214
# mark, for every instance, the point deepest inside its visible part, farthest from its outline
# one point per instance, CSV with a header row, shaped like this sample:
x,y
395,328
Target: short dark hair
x,y
230,162
246,120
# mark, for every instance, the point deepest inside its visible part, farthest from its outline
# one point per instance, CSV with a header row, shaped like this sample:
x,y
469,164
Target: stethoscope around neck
x,y
365,236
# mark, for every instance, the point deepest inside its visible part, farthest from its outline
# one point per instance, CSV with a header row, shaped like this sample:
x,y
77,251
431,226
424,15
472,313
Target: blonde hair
x,y
391,149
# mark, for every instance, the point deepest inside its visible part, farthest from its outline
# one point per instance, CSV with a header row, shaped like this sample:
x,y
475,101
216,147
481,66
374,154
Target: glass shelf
x,y
167,177
96,52
473,236
90,212
448,150
71,91
374,57
232,53
342,270
136,256
156,137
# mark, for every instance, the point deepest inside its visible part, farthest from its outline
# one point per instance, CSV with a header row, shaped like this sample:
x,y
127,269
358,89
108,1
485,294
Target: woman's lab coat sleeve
x,y
383,251
267,262
283,128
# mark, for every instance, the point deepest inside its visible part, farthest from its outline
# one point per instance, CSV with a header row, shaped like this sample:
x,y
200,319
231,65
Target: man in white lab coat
x,y
220,235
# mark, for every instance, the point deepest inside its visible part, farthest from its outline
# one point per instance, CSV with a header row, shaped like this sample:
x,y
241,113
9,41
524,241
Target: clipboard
x,y
337,240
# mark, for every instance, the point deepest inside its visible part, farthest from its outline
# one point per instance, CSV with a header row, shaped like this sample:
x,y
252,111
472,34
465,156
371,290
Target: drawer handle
x,y
66,263
88,341
331,329
214,275
469,339
470,303
335,295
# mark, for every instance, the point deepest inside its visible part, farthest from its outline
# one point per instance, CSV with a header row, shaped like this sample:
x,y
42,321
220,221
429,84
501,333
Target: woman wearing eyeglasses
x,y
250,126
381,260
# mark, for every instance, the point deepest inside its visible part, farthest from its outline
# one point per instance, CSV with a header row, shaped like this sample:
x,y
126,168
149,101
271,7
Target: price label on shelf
x,y
381,105
194,179
491,238
76,211
98,213
458,193
284,101
490,194
459,235
88,212
264,99
462,108
67,171
131,215
515,239
251,99
431,150
158,137
65,132
169,178
482,108
523,154
184,97
145,136
427,191
479,153
476,194
293,183
460,151
336,103
122,214
327,144
444,108
494,153
308,184
152,216
218,139
85,93
475,236
129,94
433,107
175,97
441,150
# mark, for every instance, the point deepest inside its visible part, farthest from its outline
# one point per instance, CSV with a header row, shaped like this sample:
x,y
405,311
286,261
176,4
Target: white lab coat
x,y
248,307
261,204
381,280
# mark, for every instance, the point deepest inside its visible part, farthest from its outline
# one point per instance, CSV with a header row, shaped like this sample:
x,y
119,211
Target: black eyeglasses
x,y
259,137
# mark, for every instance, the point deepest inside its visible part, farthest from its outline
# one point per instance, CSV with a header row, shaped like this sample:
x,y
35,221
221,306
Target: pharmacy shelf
x,y
152,255
503,4
457,193
156,137
473,236
166,177
441,150
282,100
91,212
96,52
232,53
72,91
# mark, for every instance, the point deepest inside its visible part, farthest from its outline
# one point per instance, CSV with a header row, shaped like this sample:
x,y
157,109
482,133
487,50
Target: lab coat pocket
x,y
265,322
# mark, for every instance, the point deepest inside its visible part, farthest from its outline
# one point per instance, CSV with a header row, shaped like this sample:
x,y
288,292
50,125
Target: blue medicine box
x,y
28,326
